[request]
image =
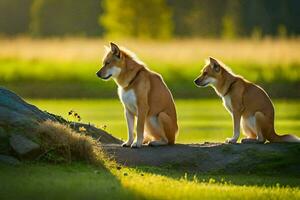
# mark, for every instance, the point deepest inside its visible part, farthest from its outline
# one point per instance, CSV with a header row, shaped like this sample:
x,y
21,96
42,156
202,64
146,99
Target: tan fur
x,y
248,104
144,95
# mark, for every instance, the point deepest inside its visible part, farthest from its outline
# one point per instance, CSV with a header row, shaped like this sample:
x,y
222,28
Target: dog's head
x,y
210,73
112,63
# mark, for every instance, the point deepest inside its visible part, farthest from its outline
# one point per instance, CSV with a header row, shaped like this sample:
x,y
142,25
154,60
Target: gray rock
x,y
18,116
9,160
3,134
213,157
15,113
23,146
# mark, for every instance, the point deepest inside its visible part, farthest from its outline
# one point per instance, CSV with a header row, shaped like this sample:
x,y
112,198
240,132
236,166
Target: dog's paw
x,y
248,141
245,141
231,140
127,144
251,141
136,145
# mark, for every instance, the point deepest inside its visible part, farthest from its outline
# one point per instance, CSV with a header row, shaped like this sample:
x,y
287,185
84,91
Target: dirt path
x,y
213,157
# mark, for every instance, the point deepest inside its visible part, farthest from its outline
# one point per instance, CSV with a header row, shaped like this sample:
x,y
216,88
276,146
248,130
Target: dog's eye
x,y
204,73
106,63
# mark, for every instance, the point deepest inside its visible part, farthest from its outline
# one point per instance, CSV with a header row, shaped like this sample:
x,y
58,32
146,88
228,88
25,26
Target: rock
x,y
2,133
9,160
4,146
15,113
18,116
23,146
213,157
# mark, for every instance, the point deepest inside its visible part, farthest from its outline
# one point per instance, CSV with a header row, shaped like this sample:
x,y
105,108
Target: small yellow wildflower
x,y
82,129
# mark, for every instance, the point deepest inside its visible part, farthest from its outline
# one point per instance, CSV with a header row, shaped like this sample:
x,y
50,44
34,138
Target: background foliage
x,y
67,17
151,18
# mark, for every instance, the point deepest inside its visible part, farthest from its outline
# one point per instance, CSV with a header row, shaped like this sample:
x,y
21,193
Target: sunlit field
x,y
199,120
86,182
267,51
48,68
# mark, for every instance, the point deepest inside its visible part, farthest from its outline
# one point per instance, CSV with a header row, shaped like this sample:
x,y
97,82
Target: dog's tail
x,y
285,138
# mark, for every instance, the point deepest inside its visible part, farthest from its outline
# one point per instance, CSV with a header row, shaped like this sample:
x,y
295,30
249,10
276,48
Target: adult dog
x,y
247,102
144,95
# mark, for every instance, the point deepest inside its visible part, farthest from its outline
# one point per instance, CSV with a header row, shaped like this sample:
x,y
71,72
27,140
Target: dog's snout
x,y
98,74
196,81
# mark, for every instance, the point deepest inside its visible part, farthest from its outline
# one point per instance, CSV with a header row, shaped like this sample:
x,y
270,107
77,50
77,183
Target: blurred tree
x,y
271,17
14,16
131,18
292,21
197,17
151,18
231,22
65,17
235,18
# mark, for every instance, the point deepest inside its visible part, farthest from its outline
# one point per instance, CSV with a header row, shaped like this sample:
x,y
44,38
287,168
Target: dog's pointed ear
x,y
214,64
115,49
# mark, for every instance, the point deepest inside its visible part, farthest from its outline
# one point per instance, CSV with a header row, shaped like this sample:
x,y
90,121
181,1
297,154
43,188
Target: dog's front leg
x,y
130,126
141,117
236,128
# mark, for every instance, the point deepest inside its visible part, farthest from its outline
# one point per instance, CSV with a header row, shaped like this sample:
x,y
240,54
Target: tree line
x,y
150,18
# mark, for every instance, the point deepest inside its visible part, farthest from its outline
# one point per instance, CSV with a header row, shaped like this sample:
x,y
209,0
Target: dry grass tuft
x,y
61,144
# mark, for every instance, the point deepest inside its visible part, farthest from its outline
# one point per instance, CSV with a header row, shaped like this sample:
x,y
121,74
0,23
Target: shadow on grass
x,y
47,181
238,179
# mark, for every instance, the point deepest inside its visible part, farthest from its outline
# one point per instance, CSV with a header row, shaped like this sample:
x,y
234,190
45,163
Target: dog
x,y
144,96
248,104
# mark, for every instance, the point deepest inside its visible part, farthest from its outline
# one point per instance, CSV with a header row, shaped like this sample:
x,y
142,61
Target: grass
x,y
41,181
197,188
78,181
59,143
199,120
70,65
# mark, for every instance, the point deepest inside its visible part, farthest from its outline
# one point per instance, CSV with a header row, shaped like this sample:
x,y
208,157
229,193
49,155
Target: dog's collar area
x,y
135,76
229,88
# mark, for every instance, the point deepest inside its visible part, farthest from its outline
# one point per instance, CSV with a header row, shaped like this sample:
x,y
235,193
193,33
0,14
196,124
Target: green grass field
x,y
49,68
199,120
50,79
78,181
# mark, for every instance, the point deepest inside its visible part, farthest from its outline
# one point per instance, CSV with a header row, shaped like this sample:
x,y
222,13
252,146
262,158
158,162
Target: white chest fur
x,y
128,98
227,103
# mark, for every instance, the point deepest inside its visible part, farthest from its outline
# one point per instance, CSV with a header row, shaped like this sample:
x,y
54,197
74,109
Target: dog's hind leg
x,y
257,125
147,138
162,130
261,126
249,129
248,125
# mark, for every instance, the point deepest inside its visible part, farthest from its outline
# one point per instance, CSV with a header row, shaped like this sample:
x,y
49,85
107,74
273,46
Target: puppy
x,y
248,104
144,96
